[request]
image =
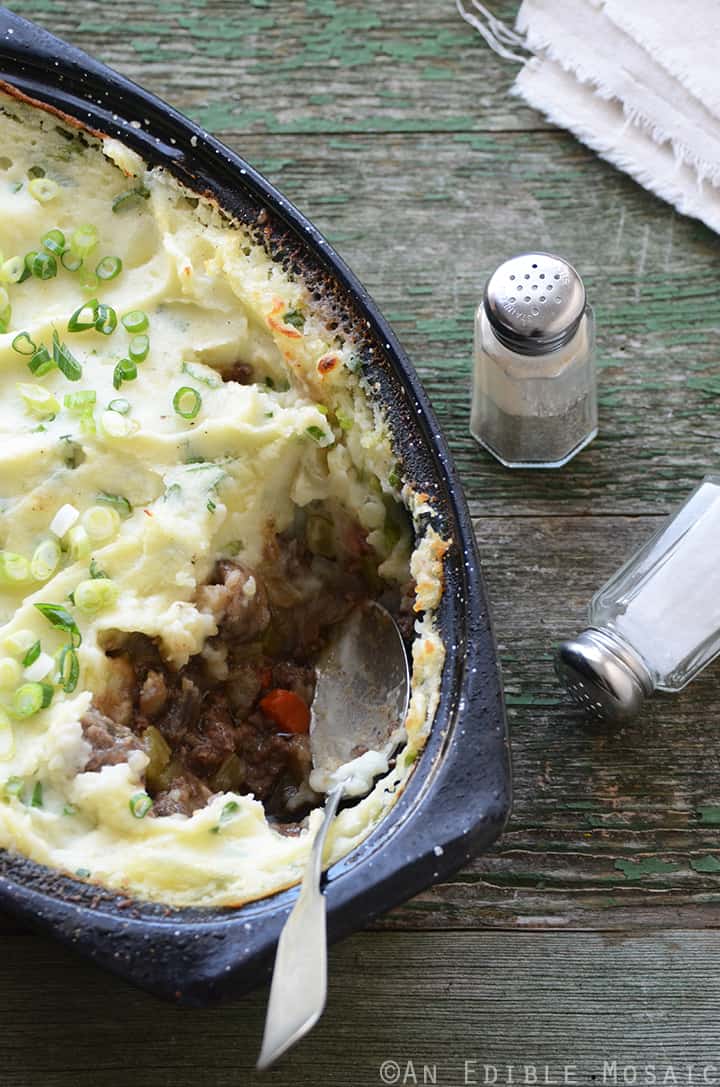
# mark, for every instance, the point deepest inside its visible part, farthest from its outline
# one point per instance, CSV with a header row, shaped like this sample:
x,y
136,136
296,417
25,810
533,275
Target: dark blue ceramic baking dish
x,y
459,795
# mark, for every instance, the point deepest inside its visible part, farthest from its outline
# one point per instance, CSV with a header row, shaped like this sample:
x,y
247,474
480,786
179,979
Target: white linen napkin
x,y
638,82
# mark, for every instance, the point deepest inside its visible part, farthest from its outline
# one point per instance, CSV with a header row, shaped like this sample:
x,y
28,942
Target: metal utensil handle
x,y
299,982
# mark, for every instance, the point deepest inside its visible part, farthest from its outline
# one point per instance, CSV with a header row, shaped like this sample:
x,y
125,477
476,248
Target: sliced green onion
x,y
14,569
71,261
12,270
38,399
37,671
36,171
95,570
295,318
135,321
10,673
84,316
124,371
64,520
79,542
345,421
120,405
58,617
43,266
43,189
68,669
138,348
84,239
45,560
7,738
108,268
23,344
65,360
106,320
95,595
138,192
32,654
37,795
28,700
89,280
54,242
101,523
80,401
14,786
87,422
115,425
27,265
42,362
117,501
187,402
316,433
69,809
204,374
140,804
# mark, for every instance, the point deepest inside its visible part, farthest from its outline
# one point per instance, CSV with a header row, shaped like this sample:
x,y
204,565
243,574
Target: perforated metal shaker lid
x,y
603,674
534,303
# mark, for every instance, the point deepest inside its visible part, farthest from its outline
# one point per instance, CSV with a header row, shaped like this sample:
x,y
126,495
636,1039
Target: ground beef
x,y
238,601
242,372
153,694
116,700
111,742
186,794
271,759
202,726
298,678
207,747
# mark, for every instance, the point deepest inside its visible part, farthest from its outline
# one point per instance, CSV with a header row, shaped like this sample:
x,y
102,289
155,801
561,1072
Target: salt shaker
x,y
534,403
656,623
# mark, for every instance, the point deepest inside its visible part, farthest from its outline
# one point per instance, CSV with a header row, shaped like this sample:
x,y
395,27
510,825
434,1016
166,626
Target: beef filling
x,y
236,717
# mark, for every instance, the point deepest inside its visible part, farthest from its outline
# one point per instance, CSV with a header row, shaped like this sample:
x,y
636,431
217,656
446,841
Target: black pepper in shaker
x,y
534,401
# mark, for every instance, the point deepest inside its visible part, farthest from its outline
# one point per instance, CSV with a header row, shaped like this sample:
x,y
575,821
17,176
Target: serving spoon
x,y
361,698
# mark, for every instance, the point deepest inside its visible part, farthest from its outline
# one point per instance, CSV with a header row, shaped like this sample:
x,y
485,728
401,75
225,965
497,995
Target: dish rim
x,y
203,953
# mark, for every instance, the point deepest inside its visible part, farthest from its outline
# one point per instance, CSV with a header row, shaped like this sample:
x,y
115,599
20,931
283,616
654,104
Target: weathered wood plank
x,y
439,1000
613,826
303,66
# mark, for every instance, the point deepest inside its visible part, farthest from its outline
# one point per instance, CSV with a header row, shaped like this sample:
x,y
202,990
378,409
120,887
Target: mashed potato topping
x,y
177,417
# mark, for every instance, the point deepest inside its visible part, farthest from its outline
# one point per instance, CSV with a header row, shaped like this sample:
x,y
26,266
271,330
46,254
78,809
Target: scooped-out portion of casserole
x,y
195,485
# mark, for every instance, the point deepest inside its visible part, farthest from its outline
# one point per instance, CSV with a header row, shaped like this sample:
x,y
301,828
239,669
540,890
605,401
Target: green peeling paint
x,y
709,863
649,866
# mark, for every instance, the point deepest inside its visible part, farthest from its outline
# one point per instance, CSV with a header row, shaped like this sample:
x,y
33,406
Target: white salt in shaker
x,y
656,623
534,402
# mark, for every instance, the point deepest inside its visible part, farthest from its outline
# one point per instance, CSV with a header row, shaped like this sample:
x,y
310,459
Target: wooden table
x,y
587,935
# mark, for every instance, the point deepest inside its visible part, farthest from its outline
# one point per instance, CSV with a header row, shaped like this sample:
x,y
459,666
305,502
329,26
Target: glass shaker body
x,y
534,411
664,603
534,402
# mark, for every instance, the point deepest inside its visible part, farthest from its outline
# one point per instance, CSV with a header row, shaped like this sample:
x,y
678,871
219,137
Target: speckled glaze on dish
x,y
458,797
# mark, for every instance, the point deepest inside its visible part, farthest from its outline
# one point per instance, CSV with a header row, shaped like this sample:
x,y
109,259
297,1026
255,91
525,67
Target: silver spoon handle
x,y
299,982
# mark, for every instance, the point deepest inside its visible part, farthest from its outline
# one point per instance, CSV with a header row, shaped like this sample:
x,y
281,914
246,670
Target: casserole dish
x,y
458,796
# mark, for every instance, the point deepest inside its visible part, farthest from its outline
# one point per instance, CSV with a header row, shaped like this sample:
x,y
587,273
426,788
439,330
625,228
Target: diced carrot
x,y
287,710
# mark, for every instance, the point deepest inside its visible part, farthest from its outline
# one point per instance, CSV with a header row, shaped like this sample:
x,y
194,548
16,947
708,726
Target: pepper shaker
x,y
534,403
656,623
